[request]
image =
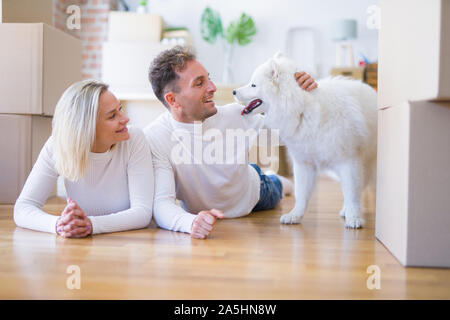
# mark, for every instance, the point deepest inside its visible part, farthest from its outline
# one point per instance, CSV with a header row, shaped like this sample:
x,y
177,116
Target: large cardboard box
x,y
413,183
30,11
37,63
125,64
132,26
414,51
24,137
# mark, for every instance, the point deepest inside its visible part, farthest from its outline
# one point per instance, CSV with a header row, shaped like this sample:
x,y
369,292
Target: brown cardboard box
x,y
414,51
37,64
355,73
371,75
26,11
23,139
413,183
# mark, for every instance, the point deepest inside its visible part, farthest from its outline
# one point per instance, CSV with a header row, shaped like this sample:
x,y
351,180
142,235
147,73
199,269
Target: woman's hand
x,y
73,222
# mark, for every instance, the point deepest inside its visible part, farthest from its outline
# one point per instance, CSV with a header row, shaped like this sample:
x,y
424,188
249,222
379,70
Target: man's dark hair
x,y
163,70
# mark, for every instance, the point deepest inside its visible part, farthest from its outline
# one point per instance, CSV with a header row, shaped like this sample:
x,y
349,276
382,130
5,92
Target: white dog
x,y
333,127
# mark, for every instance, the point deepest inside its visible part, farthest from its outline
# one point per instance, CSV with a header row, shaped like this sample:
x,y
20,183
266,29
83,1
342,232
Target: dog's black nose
x,y
234,92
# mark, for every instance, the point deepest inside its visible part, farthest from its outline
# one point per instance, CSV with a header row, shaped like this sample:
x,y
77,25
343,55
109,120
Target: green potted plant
x,y
240,31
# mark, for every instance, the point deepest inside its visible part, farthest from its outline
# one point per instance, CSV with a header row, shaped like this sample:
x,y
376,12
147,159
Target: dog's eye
x,y
253,85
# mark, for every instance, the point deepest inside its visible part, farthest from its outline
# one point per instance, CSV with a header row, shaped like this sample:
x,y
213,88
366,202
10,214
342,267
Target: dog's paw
x,y
342,212
354,222
291,218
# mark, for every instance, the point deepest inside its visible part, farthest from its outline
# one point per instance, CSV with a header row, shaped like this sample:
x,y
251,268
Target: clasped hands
x,y
73,222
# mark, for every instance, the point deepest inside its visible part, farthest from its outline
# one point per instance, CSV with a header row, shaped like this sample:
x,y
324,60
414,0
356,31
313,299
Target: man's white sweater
x,y
203,165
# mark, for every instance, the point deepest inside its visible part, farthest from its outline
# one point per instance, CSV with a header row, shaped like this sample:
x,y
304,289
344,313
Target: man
x,y
206,190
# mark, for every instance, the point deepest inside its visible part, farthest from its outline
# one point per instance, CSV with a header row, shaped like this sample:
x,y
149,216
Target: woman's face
x,y
111,123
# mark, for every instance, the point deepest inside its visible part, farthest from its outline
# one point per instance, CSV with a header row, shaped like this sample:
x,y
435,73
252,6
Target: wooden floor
x,y
248,258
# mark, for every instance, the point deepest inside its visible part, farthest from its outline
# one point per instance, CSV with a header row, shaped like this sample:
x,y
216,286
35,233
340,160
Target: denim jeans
x,y
270,190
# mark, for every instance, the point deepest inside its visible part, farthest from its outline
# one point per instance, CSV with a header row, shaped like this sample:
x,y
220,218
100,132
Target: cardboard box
x,y
414,51
25,137
37,64
355,73
413,183
132,26
371,75
125,64
26,11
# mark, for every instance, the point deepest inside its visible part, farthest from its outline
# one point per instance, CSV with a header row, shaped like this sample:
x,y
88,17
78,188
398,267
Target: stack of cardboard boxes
x,y
37,63
413,187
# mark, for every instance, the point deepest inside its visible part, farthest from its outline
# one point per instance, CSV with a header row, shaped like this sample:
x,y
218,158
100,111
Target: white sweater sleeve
x,y
140,188
37,188
168,214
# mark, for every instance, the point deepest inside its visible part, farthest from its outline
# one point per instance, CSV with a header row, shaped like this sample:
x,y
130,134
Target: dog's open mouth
x,y
251,106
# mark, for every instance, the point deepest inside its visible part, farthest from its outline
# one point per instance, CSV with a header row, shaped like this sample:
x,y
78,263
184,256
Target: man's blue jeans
x,y
270,190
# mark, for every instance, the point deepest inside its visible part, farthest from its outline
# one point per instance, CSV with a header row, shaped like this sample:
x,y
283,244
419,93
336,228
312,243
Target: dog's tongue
x,y
252,105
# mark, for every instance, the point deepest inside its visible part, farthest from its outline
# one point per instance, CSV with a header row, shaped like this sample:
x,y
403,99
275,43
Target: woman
x,y
107,169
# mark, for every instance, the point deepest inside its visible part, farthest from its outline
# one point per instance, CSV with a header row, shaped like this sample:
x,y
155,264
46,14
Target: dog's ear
x,y
278,55
274,70
275,75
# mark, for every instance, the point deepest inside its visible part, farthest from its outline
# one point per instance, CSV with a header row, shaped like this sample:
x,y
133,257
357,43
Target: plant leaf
x,y
241,30
211,25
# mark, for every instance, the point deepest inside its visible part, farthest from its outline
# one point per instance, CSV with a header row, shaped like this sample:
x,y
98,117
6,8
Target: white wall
x,y
273,18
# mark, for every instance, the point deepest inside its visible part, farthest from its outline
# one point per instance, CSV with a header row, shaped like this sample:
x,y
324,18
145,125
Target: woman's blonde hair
x,y
74,124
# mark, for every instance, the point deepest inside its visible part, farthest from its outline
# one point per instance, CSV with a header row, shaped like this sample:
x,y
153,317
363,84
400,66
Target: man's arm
x,y
305,81
167,213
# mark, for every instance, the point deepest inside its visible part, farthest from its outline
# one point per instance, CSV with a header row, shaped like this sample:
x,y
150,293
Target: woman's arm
x,y
37,188
140,188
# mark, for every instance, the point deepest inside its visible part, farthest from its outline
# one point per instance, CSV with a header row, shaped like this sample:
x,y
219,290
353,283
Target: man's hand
x,y
305,81
73,222
203,223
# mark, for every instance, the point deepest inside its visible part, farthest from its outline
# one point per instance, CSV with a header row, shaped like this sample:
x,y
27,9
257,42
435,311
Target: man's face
x,y
196,93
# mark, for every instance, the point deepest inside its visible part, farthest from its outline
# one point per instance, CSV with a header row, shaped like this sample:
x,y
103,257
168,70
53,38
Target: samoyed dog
x,y
333,127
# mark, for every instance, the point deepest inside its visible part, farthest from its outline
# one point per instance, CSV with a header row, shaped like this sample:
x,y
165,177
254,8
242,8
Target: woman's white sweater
x,y
116,192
